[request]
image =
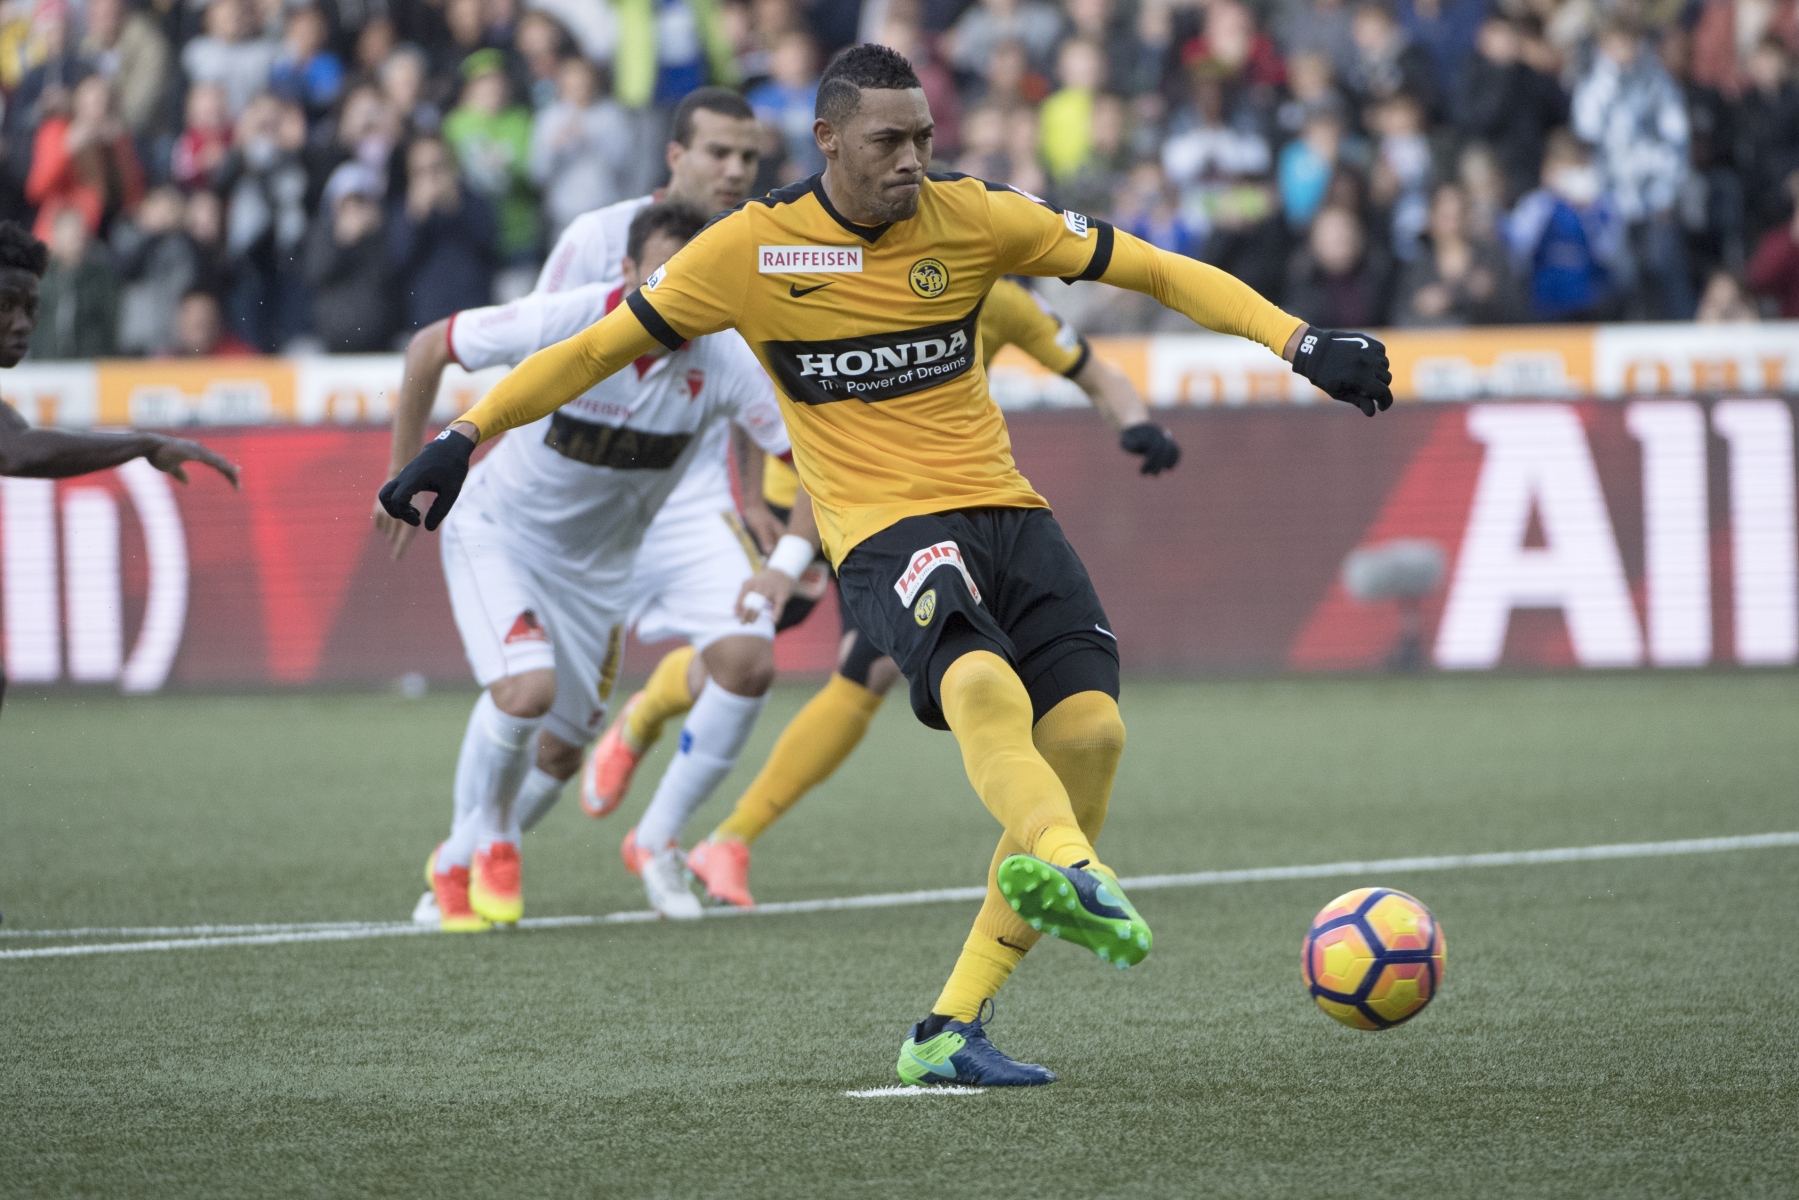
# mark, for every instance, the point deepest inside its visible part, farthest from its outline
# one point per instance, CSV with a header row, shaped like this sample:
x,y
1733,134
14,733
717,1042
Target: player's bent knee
x,y
743,666
1084,723
527,695
557,758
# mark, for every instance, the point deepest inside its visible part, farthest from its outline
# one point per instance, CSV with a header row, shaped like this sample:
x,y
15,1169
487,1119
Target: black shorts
x,y
998,579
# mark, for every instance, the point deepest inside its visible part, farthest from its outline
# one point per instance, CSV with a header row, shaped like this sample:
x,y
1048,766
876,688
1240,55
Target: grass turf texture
x,y
1620,1028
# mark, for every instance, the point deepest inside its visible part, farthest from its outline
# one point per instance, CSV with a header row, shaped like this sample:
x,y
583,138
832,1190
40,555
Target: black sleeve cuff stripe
x,y
652,320
1080,363
1102,252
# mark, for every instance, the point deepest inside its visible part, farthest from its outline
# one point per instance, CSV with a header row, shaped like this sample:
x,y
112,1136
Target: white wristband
x,y
793,554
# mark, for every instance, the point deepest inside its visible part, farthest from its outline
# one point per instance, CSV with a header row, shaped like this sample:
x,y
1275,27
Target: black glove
x,y
1154,443
440,467
1347,366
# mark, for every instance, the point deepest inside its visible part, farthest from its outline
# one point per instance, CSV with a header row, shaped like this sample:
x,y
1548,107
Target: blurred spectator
x,y
542,46
403,76
307,72
1009,80
903,33
1484,189
130,51
1338,280
231,53
786,103
200,329
158,263
367,131
1774,268
1387,62
1446,30
1455,281
78,301
1567,239
378,39
43,90
1400,177
1242,60
1311,89
1146,206
1322,27
84,161
980,31
579,147
440,238
1247,238
204,222
266,216
984,152
1306,166
1022,138
1711,206
467,34
205,137
1204,143
1767,133
667,48
1089,188
1102,23
1724,301
1728,33
1508,104
347,267
1630,109
492,140
1065,122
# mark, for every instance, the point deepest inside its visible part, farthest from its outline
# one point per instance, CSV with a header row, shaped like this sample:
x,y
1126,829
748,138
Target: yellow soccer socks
x,y
665,697
989,711
1082,739
814,744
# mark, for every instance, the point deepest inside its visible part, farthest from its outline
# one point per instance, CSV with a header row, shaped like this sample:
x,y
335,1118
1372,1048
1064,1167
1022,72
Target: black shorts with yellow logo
x,y
931,588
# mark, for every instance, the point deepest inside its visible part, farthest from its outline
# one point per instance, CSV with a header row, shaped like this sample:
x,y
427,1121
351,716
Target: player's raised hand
x,y
171,452
440,467
1347,366
1157,446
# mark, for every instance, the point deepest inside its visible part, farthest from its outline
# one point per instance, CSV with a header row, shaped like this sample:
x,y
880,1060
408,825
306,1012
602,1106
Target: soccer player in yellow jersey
x,y
824,733
860,291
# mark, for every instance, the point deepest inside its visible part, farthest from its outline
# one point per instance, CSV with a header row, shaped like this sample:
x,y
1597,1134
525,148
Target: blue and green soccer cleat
x,y
1079,904
961,1054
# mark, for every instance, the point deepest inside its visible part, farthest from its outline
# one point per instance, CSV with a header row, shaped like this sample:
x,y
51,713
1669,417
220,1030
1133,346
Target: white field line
x,y
199,936
881,1093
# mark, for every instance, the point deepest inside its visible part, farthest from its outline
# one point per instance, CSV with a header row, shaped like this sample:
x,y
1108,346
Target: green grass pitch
x,y
1620,1028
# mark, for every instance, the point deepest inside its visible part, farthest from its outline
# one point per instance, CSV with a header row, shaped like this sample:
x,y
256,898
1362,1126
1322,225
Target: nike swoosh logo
x,y
796,291
1362,342
1107,632
945,1071
1010,946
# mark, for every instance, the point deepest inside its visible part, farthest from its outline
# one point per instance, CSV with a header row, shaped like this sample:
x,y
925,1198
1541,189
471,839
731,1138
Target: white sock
x,y
496,751
712,738
536,796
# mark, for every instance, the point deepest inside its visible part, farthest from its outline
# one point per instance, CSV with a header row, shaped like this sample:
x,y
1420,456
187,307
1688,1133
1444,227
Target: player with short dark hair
x,y
860,290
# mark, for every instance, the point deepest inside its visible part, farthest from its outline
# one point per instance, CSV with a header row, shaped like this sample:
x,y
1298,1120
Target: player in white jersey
x,y
698,551
539,555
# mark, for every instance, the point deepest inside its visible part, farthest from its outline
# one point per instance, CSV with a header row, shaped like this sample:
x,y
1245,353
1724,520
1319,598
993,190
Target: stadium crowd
x,y
241,176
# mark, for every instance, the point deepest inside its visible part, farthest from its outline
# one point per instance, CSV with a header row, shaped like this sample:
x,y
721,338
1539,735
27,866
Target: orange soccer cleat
x,y
494,888
724,867
607,776
450,888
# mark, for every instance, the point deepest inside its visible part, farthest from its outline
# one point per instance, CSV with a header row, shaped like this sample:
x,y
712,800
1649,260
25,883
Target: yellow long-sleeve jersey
x,y
871,335
1011,316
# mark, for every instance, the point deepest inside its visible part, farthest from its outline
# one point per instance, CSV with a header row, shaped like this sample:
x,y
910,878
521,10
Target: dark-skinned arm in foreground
x,y
58,454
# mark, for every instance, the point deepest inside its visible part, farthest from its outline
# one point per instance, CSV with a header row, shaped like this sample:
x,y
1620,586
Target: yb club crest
x,y
929,278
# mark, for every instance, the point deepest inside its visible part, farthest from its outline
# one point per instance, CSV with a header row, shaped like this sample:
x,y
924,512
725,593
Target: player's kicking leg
x,y
958,599
814,744
669,693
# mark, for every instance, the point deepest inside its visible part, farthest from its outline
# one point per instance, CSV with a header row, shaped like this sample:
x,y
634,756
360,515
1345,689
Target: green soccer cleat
x,y
1079,904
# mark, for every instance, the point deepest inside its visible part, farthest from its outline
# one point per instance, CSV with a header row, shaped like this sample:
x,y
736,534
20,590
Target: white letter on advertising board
x,y
33,649
90,555
1537,458
165,609
1762,551
1676,547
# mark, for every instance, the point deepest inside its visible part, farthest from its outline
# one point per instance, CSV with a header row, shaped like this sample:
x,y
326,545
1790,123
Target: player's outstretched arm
x,y
538,386
1117,400
427,355
57,454
1346,366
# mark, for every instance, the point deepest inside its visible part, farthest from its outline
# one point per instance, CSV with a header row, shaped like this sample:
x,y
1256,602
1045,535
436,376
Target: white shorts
x,y
690,570
519,611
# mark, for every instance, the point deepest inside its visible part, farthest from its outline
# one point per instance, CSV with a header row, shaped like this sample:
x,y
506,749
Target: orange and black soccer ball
x,y
1373,958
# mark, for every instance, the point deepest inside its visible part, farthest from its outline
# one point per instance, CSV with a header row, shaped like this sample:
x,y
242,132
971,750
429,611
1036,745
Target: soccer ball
x,y
1373,958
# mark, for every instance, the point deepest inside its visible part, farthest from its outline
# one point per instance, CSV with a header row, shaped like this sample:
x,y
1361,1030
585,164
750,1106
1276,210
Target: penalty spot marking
x,y
881,1093
205,936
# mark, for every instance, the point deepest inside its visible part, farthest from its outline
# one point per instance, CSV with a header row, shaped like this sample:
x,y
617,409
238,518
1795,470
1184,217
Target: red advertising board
x,y
1536,534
